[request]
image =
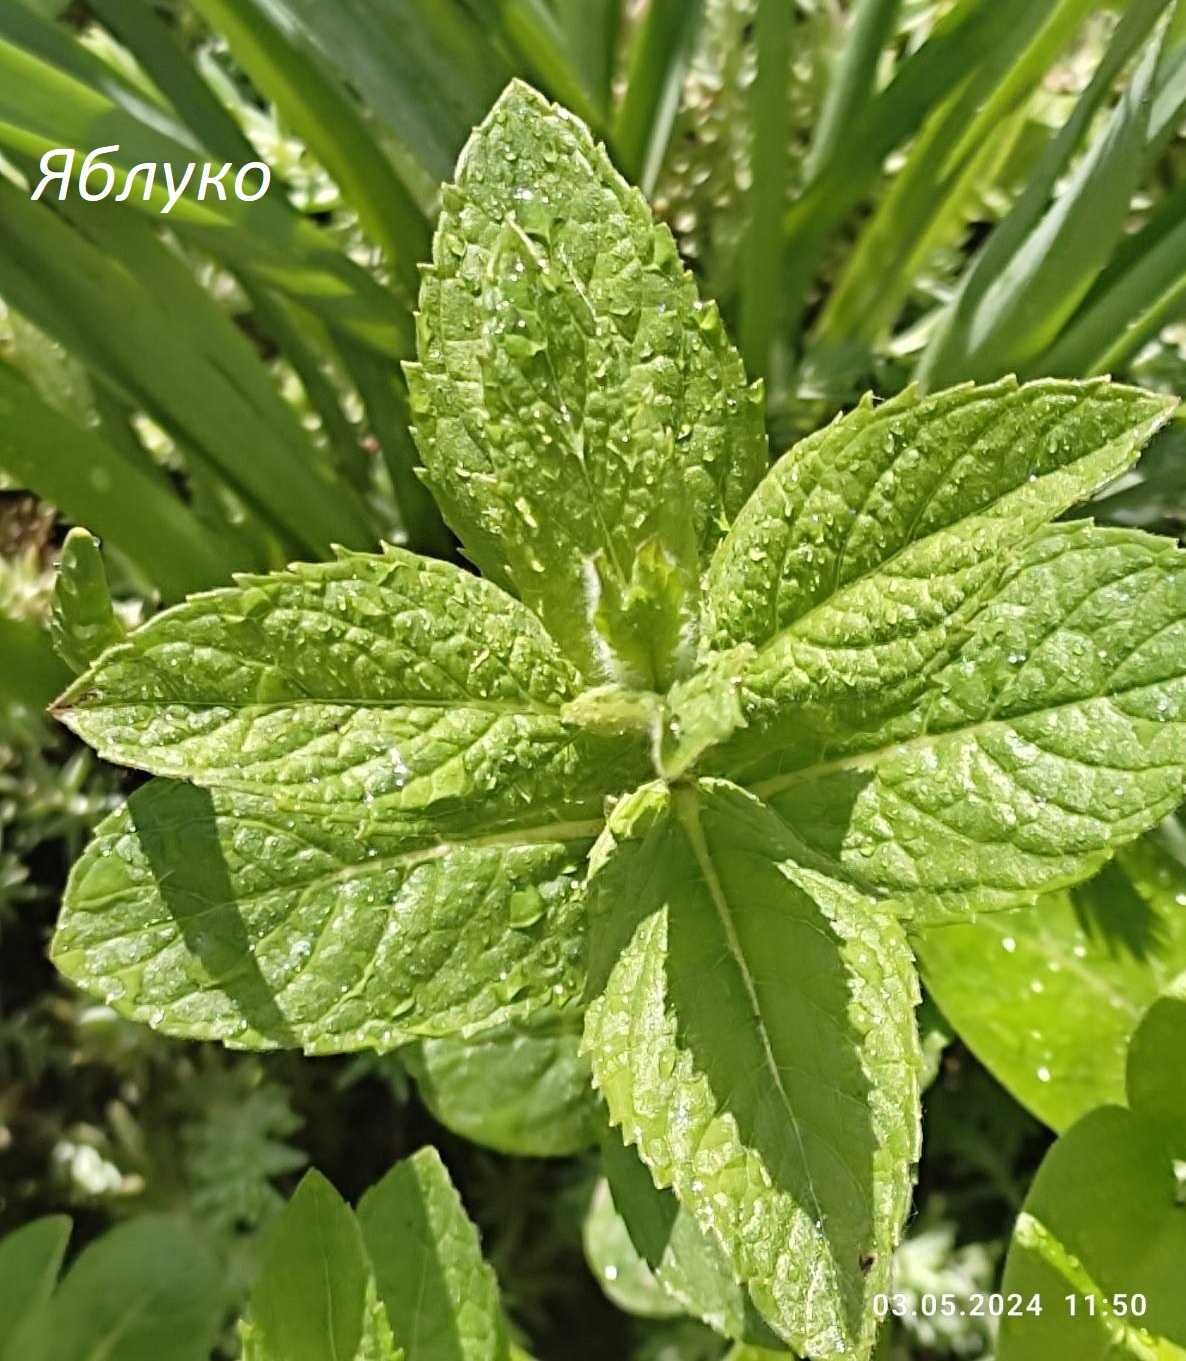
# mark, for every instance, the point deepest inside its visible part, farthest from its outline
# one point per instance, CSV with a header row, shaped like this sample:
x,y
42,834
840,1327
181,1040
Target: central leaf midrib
x,y
687,806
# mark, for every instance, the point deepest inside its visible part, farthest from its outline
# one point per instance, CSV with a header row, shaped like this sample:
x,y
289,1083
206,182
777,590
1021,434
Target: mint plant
x,y
696,753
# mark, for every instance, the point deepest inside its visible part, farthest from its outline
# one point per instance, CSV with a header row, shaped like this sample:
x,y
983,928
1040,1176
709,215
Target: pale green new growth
x,y
874,692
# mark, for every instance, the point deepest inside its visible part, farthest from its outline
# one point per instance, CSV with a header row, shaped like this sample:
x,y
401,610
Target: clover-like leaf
x,y
583,419
522,1088
752,1033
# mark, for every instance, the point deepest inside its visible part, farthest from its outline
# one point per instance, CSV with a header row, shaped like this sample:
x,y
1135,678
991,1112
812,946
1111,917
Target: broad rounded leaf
x,y
752,1033
522,1089
1048,996
145,1291
1104,1218
615,1262
583,419
30,1259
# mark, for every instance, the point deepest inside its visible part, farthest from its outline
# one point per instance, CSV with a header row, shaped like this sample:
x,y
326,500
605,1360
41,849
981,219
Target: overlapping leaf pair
x,y
698,750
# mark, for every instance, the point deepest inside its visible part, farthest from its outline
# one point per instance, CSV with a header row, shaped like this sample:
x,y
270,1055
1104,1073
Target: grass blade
x,y
70,287
854,76
165,61
951,157
1040,262
762,255
658,63
32,674
534,34
591,29
962,41
332,125
50,97
92,483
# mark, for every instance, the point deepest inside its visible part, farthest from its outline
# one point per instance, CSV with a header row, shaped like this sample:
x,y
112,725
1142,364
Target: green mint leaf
x,y
375,1344
685,1262
145,1291
856,565
309,1300
584,421
440,1296
219,915
82,622
752,1033
1051,738
30,1259
1048,996
522,1089
390,680
391,821
619,1270
1104,1217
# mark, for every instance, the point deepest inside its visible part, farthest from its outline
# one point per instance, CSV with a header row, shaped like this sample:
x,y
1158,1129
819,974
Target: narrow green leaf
x,y
592,29
1048,996
752,1034
966,37
47,453
309,1299
584,421
145,1291
54,93
654,80
32,671
1139,292
521,1090
161,54
83,623
533,31
441,1297
331,123
384,394
62,280
30,1259
1104,1219
425,68
952,158
1041,261
853,80
762,251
